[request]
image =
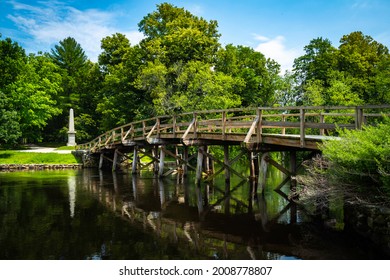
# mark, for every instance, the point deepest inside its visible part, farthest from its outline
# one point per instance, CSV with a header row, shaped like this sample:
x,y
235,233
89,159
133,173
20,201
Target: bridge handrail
x,y
251,123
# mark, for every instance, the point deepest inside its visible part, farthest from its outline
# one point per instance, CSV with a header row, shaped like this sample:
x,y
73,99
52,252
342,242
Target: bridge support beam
x,y
115,160
226,162
161,163
101,159
135,161
199,166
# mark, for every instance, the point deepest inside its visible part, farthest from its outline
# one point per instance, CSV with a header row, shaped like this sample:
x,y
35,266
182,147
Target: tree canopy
x,y
178,66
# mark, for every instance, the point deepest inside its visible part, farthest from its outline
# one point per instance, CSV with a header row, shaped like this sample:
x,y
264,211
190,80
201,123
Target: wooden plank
x,y
188,129
302,127
251,130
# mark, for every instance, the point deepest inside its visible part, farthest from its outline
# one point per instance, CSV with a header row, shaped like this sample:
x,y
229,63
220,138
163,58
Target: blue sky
x,y
277,28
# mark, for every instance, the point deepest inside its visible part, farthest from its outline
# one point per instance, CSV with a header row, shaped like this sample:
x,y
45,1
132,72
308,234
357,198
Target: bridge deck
x,y
253,128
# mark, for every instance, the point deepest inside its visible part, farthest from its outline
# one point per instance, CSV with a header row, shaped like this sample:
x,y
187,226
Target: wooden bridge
x,y
255,130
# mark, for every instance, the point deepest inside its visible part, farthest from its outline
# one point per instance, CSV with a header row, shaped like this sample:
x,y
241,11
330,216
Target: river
x,y
90,214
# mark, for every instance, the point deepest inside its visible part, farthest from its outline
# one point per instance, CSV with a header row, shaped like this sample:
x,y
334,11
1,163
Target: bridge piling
x,y
161,164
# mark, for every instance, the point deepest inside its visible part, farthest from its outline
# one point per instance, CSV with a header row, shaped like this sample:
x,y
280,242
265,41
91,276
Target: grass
x,y
15,157
66,148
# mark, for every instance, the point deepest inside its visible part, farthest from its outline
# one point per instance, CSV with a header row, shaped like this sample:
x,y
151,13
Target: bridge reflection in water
x,y
214,222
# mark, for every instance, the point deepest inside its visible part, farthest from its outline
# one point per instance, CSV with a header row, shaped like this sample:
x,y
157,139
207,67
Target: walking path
x,y
38,149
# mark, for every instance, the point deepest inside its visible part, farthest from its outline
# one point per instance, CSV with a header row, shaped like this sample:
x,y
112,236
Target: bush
x,y
361,156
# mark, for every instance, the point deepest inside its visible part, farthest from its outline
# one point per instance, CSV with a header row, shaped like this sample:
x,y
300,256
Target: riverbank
x,y
17,167
38,158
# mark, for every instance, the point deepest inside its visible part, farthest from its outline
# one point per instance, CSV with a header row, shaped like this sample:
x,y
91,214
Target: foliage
x,y
361,156
178,66
348,75
9,124
173,34
257,75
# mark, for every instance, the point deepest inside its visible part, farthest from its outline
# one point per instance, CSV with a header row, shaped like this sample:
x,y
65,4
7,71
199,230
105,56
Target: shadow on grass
x,y
5,155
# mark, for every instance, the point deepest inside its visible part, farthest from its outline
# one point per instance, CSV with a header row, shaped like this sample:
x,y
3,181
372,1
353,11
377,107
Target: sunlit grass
x,y
15,157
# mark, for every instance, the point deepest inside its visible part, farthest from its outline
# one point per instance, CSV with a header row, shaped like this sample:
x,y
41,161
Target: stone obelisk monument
x,y
71,132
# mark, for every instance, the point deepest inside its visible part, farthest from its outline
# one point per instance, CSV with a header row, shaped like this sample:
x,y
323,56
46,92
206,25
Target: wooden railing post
x,y
283,120
144,129
259,129
174,126
158,127
302,126
195,124
322,120
358,117
224,125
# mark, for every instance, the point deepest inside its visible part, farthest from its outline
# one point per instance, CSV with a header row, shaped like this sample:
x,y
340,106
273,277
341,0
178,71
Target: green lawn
x,y
15,157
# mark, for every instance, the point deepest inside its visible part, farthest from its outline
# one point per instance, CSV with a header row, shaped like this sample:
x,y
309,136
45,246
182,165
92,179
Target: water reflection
x,y
72,194
214,222
89,214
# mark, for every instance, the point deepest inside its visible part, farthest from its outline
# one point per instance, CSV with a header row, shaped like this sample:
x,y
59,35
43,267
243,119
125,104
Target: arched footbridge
x,y
255,130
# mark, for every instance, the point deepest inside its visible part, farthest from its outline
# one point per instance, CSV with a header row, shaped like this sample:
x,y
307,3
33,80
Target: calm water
x,y
87,214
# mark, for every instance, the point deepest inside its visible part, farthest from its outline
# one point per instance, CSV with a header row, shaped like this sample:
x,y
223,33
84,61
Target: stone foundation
x,y
372,222
15,167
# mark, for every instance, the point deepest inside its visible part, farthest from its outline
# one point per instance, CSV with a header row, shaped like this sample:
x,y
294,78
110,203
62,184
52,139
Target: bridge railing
x,y
249,123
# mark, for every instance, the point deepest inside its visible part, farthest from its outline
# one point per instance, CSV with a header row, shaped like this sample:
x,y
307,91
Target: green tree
x,y
119,95
355,73
9,122
173,34
12,62
74,69
359,57
12,59
259,75
33,96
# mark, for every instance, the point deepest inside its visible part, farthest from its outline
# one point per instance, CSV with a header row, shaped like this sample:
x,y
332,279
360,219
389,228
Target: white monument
x,y
71,132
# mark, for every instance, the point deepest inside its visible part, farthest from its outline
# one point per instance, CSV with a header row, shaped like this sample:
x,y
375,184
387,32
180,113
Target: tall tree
x,y
72,64
359,57
173,34
259,75
121,64
12,59
69,55
12,62
353,74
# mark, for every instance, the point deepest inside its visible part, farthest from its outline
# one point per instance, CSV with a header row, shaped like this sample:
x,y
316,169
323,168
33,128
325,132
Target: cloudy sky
x,y
277,28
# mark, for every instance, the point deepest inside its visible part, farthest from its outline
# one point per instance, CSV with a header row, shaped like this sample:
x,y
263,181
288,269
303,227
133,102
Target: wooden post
x,y
302,126
162,158
252,167
293,170
206,161
135,160
358,117
158,127
101,161
322,120
259,125
199,166
185,157
223,125
114,162
155,156
195,124
283,128
226,161
174,127
263,172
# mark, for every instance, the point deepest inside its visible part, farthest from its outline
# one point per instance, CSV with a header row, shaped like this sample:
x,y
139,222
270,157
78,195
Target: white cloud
x,y
50,22
276,49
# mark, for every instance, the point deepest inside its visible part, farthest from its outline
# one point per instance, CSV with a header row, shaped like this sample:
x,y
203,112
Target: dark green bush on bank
x,y
362,157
